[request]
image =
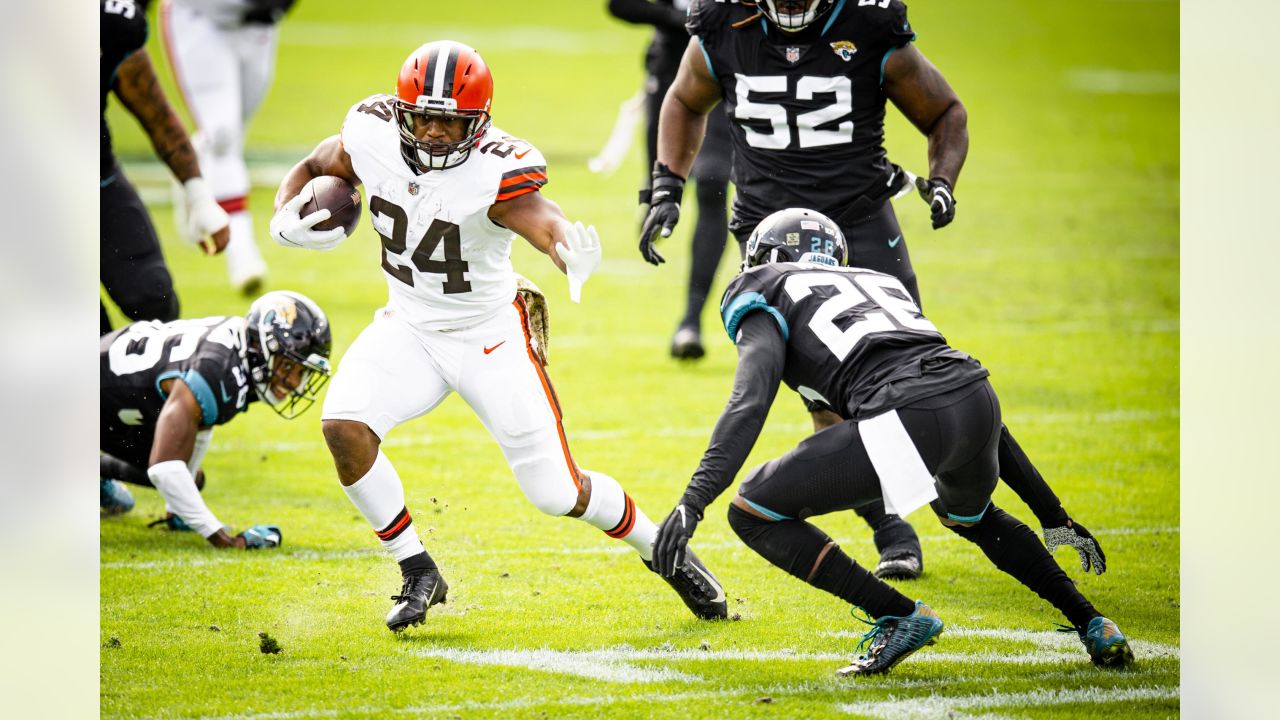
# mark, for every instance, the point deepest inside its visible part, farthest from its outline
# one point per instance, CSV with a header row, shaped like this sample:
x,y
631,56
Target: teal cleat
x,y
1107,646
892,638
113,497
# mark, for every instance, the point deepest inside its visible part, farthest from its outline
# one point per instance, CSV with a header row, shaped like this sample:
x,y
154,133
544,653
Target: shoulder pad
x,y
521,167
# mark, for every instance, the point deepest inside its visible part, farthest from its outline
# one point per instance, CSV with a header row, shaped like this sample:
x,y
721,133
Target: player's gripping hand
x,y
290,230
942,201
673,537
580,251
261,536
205,223
664,211
1074,535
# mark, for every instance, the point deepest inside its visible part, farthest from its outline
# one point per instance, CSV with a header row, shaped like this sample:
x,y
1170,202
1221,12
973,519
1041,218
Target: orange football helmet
x,y
442,79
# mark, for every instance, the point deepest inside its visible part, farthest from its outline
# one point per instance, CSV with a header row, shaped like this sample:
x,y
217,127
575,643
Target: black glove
x,y
942,202
1075,535
673,538
664,211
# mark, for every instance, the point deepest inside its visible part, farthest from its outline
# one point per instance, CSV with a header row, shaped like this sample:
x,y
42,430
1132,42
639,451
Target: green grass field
x,y
1060,274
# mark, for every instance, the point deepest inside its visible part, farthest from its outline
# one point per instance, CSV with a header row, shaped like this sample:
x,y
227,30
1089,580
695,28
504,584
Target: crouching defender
x,y
166,385
921,423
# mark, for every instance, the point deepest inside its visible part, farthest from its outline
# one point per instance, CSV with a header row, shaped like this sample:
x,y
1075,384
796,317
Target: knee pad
x,y
546,481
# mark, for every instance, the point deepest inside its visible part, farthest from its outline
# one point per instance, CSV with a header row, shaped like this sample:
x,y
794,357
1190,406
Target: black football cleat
x,y
903,564
686,344
698,588
419,593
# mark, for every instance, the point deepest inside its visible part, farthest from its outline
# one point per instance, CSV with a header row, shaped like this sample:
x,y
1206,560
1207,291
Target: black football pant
x,y
956,435
131,266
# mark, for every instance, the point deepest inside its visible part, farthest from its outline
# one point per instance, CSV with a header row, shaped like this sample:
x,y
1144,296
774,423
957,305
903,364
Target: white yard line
x,y
1113,81
938,706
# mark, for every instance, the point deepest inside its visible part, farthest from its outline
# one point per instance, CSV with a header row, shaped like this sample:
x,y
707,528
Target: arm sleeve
x,y
762,354
1022,477
645,12
178,487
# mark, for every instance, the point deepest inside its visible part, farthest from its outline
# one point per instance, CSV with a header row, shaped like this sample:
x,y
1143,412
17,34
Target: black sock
x,y
114,468
1014,548
417,564
891,531
794,546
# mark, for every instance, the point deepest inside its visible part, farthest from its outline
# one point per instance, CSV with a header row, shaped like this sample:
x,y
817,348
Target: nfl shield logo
x,y
413,188
793,55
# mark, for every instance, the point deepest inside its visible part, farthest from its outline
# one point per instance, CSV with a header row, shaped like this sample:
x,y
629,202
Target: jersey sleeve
x,y
123,29
522,167
216,376
369,136
887,28
746,294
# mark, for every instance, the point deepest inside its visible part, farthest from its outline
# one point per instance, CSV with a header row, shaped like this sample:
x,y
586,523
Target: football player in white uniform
x,y
446,191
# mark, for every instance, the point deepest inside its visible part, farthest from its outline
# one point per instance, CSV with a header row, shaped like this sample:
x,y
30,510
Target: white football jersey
x,y
447,264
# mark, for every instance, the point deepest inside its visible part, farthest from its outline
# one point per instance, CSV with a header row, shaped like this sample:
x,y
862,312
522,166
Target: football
x,y
340,197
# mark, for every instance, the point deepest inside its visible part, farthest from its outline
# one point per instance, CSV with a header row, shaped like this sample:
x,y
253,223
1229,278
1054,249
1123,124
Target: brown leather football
x,y
340,197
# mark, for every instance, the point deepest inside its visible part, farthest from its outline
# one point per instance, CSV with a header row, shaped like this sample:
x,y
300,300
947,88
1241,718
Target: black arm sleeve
x,y
644,12
1024,479
762,354
113,468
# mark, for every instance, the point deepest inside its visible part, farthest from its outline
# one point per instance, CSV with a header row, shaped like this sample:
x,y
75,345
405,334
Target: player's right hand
x,y
290,230
664,212
204,222
1074,535
580,251
261,536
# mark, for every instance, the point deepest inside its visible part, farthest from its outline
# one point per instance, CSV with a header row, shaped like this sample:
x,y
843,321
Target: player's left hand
x,y
206,223
1075,535
673,537
580,251
942,201
261,536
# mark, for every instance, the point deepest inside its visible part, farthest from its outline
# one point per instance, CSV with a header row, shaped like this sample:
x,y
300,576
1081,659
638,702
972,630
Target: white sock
x,y
380,497
614,512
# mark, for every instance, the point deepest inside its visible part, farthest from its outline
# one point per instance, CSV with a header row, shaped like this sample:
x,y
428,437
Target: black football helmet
x,y
796,235
793,15
287,347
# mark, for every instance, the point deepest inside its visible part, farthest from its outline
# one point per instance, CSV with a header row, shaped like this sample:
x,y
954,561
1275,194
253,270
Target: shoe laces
x,y
876,637
406,592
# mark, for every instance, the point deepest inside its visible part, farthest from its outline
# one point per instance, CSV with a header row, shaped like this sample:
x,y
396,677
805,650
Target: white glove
x,y
292,231
200,215
580,252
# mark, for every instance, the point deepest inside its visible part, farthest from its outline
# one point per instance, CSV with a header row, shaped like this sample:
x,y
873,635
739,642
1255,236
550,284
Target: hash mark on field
x,y
945,707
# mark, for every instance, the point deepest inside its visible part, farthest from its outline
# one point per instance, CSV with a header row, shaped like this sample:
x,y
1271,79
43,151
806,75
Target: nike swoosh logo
x,y
495,347
225,396
894,242
719,590
520,156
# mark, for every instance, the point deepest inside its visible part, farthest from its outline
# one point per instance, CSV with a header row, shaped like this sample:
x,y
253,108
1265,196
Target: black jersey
x,y
856,341
807,109
206,354
123,32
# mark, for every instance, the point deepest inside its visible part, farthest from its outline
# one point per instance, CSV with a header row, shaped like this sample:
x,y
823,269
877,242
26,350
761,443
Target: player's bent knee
x,y
354,447
547,484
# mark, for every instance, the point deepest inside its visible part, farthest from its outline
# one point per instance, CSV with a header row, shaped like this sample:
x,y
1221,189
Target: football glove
x,y
261,536
942,202
290,230
580,251
1074,535
202,219
673,537
664,211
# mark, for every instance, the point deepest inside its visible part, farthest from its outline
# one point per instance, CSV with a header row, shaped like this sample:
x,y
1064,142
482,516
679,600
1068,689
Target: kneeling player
x,y
921,423
165,385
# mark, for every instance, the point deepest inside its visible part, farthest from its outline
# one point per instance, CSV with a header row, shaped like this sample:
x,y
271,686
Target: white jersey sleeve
x,y
447,265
